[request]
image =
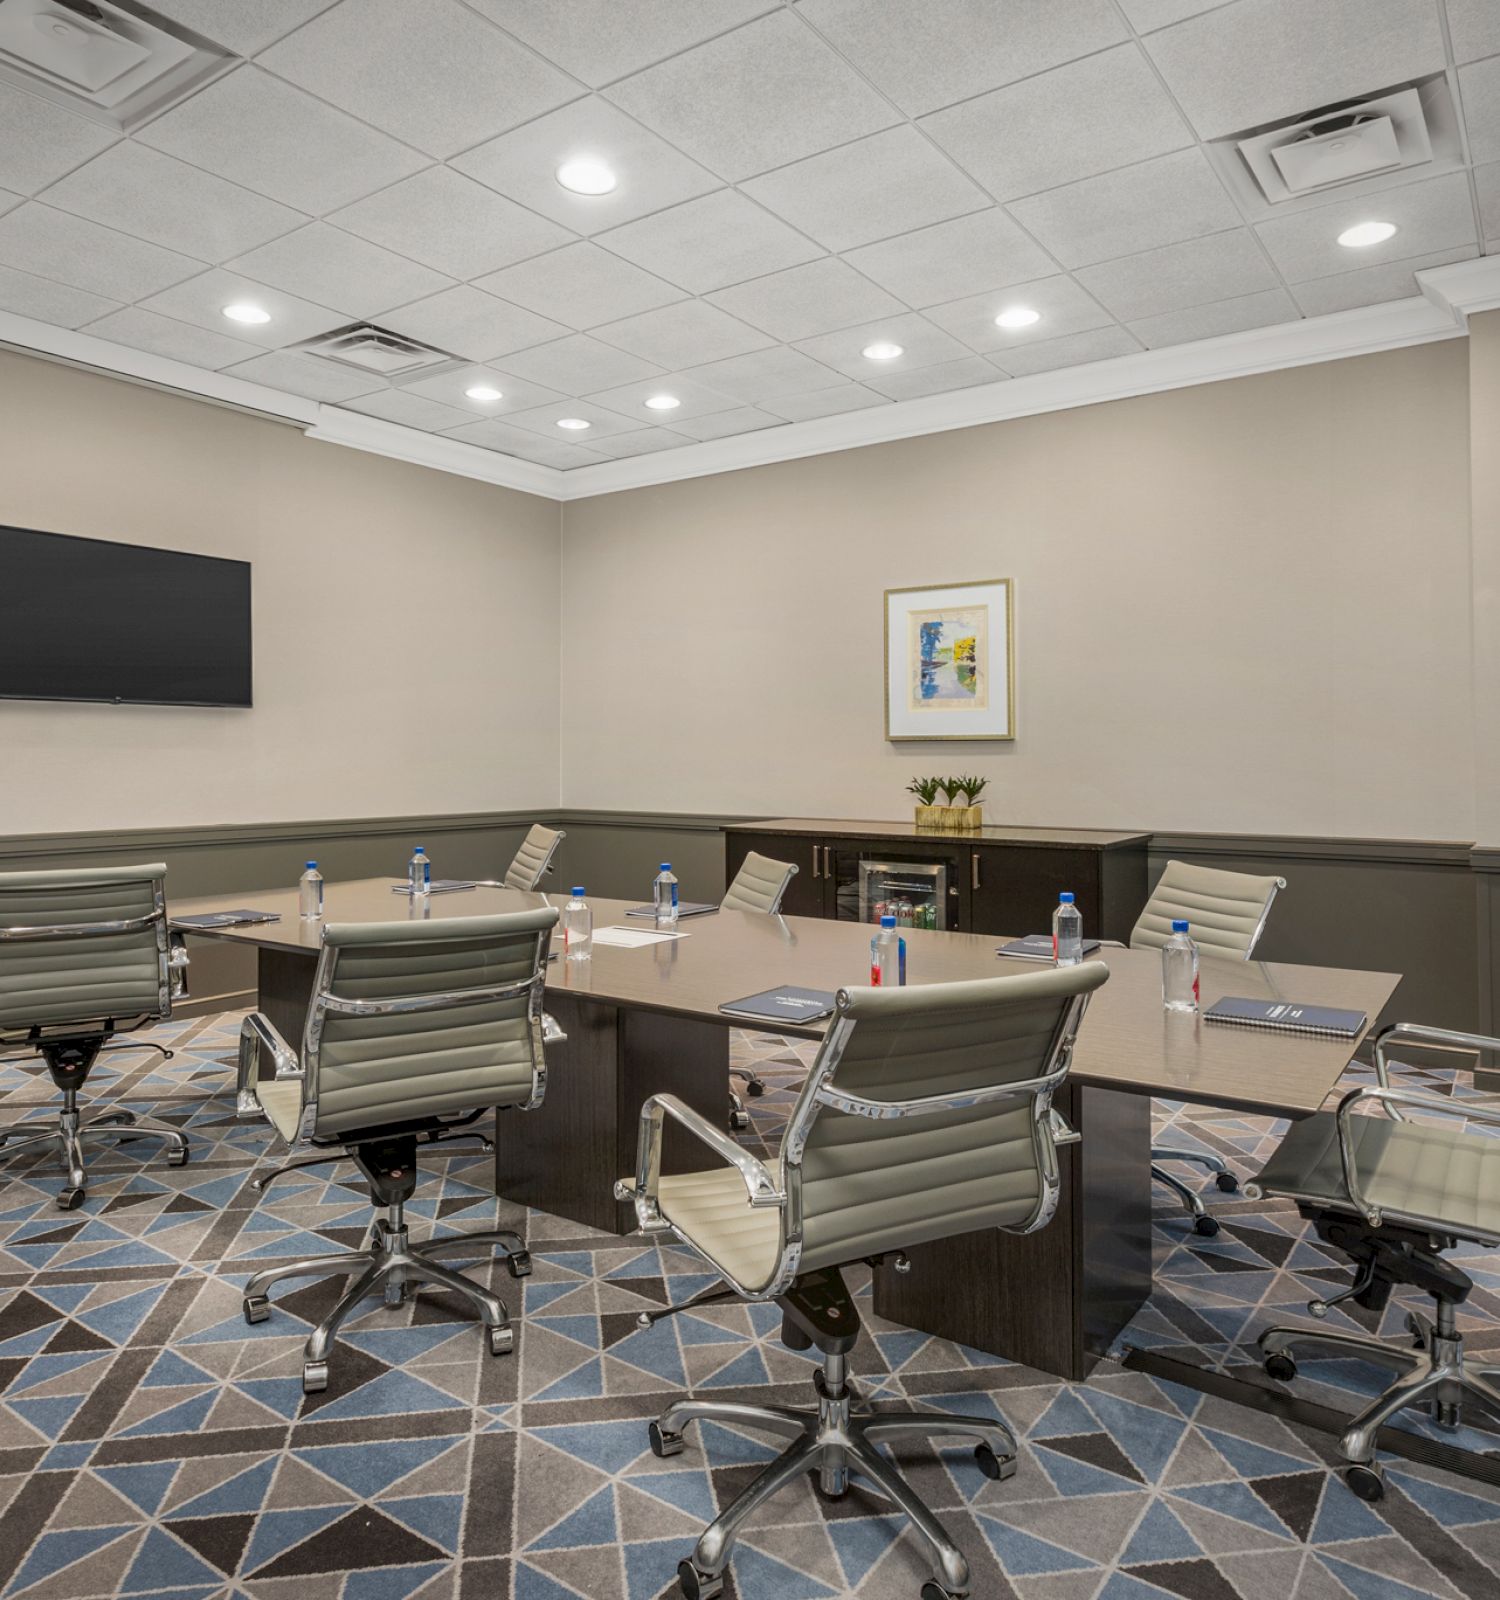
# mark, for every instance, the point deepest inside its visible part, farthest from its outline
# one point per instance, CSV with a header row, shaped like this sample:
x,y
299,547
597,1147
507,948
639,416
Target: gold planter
x,y
948,819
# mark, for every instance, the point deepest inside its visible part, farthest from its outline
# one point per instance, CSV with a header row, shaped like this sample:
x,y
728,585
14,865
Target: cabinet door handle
x,y
974,870
827,860
815,861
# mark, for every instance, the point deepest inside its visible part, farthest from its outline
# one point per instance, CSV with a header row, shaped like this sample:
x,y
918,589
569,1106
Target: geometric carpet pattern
x,y
153,1445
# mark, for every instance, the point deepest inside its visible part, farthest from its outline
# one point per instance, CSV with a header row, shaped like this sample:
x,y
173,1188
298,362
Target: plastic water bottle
x,y
577,927
418,873
310,893
664,898
1067,932
1179,970
887,955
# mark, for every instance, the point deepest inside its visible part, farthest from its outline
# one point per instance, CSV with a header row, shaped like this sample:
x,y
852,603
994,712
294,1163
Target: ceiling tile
x,y
1090,116
410,410
1479,88
1072,350
922,345
1177,276
449,222
244,27
40,141
1262,310
308,376
25,295
323,263
156,197
1435,214
1239,66
258,131
681,335
602,422
725,424
791,97
766,375
8,201
581,286
941,379
516,394
467,322
965,256
1146,15
600,40
552,452
201,300
1159,202
52,244
709,243
1064,306
441,83
1474,26
165,336
645,441
1368,286
826,402
694,399
579,364
815,298
1487,181
931,54
649,173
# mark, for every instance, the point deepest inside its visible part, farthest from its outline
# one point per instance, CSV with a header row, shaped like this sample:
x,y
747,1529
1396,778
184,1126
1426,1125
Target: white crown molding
x,y
1450,295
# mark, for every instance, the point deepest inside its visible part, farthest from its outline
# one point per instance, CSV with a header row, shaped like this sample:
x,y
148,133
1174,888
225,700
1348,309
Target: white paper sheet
x,y
633,938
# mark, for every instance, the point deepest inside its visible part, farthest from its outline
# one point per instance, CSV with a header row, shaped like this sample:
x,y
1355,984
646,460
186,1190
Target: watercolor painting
x,y
950,662
947,656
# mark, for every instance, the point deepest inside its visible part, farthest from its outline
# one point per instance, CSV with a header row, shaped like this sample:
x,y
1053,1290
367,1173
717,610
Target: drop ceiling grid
x,y
1176,259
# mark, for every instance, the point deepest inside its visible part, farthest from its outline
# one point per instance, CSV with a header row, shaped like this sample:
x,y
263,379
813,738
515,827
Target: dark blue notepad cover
x,y
786,1004
1287,1016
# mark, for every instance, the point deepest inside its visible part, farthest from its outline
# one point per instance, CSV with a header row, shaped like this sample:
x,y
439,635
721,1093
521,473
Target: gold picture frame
x,y
950,661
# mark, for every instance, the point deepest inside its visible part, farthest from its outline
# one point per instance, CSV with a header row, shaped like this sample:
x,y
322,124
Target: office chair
x,y
533,861
1226,912
84,955
758,886
926,1113
414,1027
1393,1195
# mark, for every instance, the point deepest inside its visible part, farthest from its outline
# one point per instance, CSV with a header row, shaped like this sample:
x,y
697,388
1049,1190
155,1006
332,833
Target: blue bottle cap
x,y
578,891
1179,925
887,921
666,866
419,850
312,866
1065,898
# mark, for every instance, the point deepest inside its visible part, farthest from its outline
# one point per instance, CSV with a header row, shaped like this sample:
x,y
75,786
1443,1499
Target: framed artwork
x,y
950,662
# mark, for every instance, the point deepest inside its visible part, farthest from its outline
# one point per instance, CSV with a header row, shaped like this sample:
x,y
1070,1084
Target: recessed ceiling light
x,y
243,311
1363,234
881,350
664,402
572,424
1017,317
586,176
484,391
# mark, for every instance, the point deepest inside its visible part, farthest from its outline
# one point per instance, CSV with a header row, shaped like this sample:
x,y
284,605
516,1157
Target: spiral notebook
x,y
225,919
1284,1016
786,1004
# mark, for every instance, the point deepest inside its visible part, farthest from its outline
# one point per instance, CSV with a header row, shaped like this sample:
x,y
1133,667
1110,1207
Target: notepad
x,y
1285,1016
686,908
784,1005
1037,947
225,919
438,886
633,938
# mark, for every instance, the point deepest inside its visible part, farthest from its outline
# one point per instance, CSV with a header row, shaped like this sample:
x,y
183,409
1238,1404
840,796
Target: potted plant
x,y
929,813
971,813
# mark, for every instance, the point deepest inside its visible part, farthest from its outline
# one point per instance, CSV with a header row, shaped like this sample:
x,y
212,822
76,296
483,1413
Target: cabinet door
x,y
804,895
1013,889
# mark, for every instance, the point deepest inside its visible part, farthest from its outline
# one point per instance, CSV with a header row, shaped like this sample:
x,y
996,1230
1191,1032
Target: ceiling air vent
x,y
114,63
370,349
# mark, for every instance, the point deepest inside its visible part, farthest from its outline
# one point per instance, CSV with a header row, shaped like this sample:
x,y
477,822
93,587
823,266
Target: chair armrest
x,y
178,962
552,1032
256,1033
1421,1033
759,1183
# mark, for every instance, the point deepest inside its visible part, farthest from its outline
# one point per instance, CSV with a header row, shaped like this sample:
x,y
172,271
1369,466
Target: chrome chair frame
x,y
755,1085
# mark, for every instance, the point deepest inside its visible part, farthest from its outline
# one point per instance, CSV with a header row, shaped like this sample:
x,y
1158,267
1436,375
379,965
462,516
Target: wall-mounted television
x,y
88,619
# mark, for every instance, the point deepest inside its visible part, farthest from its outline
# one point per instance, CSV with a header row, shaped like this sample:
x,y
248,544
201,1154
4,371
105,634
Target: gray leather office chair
x,y
533,861
759,885
84,955
414,1028
1393,1195
927,1113
1227,914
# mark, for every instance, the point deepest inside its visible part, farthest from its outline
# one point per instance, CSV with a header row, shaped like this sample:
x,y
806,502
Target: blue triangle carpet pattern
x,y
153,1445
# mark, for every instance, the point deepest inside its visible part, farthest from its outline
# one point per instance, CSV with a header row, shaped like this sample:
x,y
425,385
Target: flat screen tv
x,y
87,619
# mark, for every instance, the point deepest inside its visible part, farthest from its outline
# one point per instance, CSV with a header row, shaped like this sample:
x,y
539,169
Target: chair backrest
x,y
1226,911
534,857
759,884
926,1114
84,948
421,1019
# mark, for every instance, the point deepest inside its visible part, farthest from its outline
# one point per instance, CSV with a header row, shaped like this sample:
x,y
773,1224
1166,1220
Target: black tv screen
x,y
86,619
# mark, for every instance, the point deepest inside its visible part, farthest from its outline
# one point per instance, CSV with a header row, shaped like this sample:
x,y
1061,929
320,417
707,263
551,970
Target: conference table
x,y
646,1019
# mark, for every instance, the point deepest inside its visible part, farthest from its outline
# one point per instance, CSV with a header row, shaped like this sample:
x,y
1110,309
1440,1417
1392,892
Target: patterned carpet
x,y
151,1444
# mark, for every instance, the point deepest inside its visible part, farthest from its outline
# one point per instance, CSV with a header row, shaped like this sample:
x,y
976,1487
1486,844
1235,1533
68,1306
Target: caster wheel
x,y
932,1590
502,1341
1366,1483
697,1585
1228,1183
1445,1414
1281,1367
70,1199
518,1265
992,1466
177,1158
314,1377
257,1308
396,1293
755,1088
664,1444
739,1121
1207,1226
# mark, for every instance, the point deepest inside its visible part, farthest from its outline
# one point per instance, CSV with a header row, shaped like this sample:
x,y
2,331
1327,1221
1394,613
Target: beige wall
x,y
343,680
1484,445
1240,607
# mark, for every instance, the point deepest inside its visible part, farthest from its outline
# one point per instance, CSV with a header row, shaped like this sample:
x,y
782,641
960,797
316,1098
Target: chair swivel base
x,y
71,1131
1203,1222
394,1268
